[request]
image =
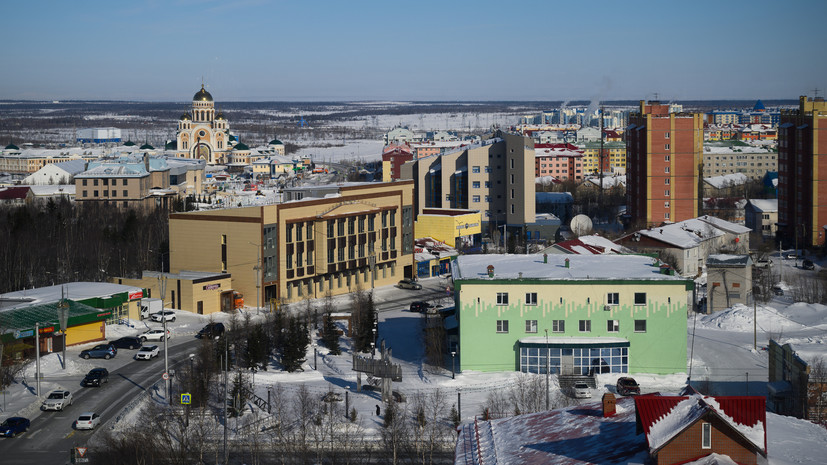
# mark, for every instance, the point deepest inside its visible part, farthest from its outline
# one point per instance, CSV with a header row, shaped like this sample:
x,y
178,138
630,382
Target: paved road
x,y
52,434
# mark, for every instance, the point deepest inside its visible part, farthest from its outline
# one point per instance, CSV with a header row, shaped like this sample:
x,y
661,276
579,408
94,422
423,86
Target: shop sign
x,y
47,329
212,287
21,334
136,295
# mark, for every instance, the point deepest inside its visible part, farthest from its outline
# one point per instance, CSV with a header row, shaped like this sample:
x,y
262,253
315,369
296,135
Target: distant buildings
x,y
98,135
798,380
802,158
762,216
663,158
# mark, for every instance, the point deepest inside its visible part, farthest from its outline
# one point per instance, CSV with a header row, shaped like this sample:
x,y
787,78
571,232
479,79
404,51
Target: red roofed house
x,y
682,429
16,195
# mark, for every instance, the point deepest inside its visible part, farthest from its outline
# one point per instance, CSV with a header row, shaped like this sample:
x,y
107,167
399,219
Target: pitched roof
x,y
662,418
12,193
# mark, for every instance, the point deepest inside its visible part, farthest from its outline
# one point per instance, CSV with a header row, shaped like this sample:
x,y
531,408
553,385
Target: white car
x,y
153,335
88,420
146,353
168,315
57,400
582,391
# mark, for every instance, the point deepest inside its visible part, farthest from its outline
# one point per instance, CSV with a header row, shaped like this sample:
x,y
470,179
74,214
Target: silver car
x,y
57,400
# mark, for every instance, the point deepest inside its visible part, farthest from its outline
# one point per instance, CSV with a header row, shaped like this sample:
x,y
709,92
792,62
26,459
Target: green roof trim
x,y
16,323
129,143
12,147
276,142
241,146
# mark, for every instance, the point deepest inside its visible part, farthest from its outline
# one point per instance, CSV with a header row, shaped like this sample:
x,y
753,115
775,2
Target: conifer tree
x,y
330,336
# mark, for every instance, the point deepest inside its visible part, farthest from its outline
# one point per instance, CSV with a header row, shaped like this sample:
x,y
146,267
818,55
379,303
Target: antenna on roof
x,y
815,92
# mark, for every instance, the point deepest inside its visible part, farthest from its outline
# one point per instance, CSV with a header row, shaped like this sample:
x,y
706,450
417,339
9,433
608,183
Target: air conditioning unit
x,y
607,307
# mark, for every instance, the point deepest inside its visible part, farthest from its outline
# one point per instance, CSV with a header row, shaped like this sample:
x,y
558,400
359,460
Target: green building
x,y
589,313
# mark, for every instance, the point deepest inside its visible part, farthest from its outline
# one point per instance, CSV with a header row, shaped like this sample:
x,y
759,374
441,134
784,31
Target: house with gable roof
x,y
609,432
689,242
681,429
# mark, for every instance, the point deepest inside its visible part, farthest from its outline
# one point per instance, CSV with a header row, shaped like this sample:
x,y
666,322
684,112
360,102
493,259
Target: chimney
x,y
567,263
490,271
609,407
545,258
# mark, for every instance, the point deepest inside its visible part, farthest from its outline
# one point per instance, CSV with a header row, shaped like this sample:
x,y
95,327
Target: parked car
x,y
627,386
808,264
408,283
420,307
129,342
792,255
777,290
211,331
153,335
146,353
106,351
168,315
763,263
14,426
57,400
96,377
582,391
88,420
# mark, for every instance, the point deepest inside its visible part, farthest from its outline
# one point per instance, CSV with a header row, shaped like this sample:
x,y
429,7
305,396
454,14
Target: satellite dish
x,y
581,225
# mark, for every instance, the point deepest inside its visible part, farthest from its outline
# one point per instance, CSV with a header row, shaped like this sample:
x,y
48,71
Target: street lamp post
x,y
315,353
453,366
347,401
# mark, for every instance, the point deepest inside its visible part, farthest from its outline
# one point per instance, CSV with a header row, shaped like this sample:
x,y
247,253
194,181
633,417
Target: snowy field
x,y
722,357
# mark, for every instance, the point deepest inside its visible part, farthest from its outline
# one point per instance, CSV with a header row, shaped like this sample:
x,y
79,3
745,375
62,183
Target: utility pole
x,y
162,283
37,355
547,370
600,163
226,354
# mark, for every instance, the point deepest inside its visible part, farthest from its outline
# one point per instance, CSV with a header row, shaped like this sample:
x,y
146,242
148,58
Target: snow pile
x,y
740,318
50,366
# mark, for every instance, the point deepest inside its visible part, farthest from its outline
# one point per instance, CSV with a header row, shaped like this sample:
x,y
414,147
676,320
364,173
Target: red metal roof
x,y
11,193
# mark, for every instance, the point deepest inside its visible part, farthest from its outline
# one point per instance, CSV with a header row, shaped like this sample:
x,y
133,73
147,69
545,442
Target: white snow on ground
x,y
723,355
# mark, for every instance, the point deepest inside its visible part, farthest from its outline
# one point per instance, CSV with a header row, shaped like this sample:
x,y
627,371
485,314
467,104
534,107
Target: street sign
x,y
165,376
80,455
186,398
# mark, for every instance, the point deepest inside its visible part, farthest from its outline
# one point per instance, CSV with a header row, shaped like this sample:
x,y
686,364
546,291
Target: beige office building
x,y
334,239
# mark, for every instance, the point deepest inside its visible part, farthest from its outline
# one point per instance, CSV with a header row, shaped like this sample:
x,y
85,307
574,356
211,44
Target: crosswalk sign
x,y
186,398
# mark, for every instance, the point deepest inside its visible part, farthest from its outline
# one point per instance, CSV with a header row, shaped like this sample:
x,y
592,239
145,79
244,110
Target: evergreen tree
x,y
330,336
238,393
295,344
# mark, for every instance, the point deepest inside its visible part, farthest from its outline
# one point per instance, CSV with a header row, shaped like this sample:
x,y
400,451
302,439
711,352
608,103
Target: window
x,y
666,135
502,326
585,326
666,169
613,326
475,199
475,184
475,169
299,229
665,146
531,298
706,435
666,181
114,182
351,223
512,163
289,235
502,298
666,192
613,298
84,182
640,326
531,326
640,298
558,326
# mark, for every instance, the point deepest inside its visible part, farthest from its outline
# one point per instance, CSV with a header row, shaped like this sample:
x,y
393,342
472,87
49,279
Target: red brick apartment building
x,y
663,163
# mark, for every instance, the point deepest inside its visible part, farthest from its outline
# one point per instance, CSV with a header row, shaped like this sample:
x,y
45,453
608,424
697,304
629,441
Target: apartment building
x,y
337,240
663,158
562,161
495,176
802,190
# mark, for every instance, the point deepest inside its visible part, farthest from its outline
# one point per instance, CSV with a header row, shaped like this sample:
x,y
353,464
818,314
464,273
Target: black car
x,y
808,264
211,331
96,377
128,342
420,307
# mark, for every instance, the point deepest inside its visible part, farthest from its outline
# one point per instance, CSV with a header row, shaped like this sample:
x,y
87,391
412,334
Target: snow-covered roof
x,y
691,233
53,189
727,180
662,418
74,291
728,260
608,181
765,205
509,266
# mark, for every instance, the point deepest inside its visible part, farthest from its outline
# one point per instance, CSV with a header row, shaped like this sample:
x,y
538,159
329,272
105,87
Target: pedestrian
x,y
377,410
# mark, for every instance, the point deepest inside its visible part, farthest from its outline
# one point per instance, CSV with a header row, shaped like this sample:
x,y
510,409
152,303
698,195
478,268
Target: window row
x,y
105,193
345,279
584,326
105,182
612,298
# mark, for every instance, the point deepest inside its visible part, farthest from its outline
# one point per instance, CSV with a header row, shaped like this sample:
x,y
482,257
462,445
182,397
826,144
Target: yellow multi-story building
x,y
457,228
614,161
332,239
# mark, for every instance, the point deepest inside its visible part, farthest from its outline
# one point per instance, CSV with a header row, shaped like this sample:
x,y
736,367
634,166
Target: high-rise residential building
x,y
663,164
802,184
494,177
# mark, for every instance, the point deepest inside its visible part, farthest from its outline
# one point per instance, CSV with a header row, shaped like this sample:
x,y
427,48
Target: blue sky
x,y
257,50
